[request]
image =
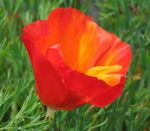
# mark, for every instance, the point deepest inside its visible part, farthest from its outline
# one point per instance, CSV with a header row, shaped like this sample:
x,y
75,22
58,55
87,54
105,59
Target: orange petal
x,y
94,42
67,25
118,54
64,26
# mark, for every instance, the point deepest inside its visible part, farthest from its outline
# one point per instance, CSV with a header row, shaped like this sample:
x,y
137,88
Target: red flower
x,y
75,61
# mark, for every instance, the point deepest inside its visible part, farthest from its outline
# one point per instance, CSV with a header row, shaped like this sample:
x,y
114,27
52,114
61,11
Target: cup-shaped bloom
x,y
75,61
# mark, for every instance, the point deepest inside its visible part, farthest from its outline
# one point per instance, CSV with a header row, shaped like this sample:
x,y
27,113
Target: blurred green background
x,y
21,110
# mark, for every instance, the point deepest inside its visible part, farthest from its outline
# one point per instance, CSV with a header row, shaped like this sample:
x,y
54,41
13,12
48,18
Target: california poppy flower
x,y
75,61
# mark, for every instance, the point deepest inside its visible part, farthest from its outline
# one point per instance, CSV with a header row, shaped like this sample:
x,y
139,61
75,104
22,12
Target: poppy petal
x,y
94,42
86,87
50,88
38,32
67,25
93,90
118,54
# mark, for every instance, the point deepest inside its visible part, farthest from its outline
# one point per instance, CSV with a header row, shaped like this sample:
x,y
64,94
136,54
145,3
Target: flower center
x,y
109,74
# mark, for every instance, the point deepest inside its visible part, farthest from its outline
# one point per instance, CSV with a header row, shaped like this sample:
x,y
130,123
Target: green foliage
x,y
20,108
